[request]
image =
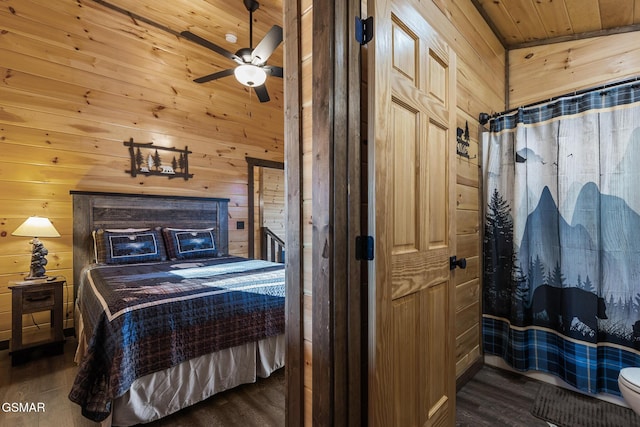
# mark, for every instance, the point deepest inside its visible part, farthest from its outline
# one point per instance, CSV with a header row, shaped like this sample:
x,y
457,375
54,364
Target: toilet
x,y
629,383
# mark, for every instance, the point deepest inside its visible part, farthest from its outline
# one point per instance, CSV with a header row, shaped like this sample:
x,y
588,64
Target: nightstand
x,y
32,296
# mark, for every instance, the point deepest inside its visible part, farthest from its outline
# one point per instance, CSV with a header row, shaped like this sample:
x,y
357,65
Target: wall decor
x,y
462,147
146,160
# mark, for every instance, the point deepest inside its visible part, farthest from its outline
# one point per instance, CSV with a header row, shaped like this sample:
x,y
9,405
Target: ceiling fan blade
x,y
214,47
214,76
262,93
273,70
267,45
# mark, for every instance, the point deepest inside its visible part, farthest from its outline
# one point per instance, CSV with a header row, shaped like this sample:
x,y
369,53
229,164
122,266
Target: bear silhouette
x,y
636,331
561,305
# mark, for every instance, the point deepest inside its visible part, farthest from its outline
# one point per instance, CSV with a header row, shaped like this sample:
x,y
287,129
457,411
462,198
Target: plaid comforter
x,y
143,318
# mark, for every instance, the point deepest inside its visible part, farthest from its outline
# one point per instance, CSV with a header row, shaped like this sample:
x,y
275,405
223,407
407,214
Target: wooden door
x,y
412,107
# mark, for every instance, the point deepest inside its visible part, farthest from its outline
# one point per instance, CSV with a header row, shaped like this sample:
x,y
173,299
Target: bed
x,y
169,323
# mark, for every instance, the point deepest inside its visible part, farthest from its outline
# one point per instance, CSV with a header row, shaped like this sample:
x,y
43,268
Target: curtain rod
x,y
485,117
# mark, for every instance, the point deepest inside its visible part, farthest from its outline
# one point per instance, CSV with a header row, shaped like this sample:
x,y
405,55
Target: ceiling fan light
x,y
250,75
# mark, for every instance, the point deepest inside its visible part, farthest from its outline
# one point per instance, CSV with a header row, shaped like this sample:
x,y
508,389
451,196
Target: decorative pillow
x,y
189,244
128,246
100,257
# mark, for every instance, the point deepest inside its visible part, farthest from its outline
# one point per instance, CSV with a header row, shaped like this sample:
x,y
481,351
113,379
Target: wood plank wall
x,y
79,79
542,72
272,200
257,220
269,201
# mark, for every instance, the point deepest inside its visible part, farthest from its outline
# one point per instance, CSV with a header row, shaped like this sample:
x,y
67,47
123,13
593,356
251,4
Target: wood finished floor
x,y
495,397
492,398
49,380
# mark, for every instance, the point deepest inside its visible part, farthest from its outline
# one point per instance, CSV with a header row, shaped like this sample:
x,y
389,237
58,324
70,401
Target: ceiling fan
x,y
252,69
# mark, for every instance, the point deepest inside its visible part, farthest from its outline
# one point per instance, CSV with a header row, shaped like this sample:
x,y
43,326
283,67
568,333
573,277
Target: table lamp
x,y
36,226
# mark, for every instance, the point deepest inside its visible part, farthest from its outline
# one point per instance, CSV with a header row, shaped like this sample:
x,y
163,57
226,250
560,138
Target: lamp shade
x,y
250,75
36,226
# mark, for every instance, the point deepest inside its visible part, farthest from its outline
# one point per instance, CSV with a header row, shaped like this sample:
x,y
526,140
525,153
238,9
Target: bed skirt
x,y
157,395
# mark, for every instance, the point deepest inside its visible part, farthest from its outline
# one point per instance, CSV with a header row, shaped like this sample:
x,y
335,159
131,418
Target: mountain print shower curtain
x,y
561,290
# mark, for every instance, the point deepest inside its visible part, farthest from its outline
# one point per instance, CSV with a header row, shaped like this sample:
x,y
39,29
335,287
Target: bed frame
x,y
93,210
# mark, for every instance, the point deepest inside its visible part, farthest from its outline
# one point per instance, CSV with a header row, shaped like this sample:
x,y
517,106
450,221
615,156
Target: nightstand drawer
x,y
37,300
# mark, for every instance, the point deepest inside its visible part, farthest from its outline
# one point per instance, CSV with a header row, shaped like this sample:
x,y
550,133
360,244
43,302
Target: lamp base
x,y
38,260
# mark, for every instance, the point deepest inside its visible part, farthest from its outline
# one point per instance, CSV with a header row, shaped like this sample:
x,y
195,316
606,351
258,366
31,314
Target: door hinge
x,y
364,30
364,248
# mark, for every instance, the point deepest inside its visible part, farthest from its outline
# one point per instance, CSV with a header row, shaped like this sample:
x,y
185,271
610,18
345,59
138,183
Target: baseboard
x,y
68,332
498,362
469,373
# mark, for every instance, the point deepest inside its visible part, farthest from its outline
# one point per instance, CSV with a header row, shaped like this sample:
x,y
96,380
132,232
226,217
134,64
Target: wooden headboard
x,y
93,210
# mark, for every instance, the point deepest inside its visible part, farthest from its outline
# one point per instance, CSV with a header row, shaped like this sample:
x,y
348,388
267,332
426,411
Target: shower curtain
x,y
561,291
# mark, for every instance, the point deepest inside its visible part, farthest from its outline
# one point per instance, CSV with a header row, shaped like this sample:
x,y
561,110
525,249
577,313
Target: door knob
x,y
454,262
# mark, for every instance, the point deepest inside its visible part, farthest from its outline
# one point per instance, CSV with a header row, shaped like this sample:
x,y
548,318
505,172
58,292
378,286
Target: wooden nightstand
x,y
32,296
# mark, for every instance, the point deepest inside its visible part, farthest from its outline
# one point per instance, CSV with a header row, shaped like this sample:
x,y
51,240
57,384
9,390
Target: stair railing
x,y
272,246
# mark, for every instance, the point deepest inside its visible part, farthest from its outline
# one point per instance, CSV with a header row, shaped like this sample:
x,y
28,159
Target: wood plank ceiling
x,y
524,23
517,23
211,20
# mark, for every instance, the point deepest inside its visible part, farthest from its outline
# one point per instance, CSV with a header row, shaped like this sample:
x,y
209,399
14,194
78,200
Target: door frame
x,y
251,163
336,76
337,397
294,304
